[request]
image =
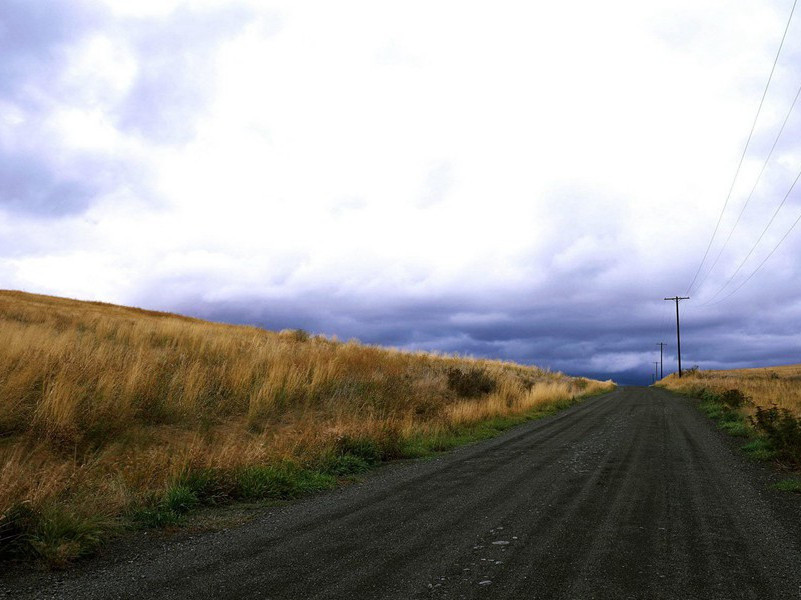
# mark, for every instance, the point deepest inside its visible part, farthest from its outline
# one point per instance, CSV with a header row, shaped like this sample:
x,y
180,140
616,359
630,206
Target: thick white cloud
x,y
563,159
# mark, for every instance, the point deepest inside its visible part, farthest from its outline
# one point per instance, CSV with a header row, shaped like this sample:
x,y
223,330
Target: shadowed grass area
x,y
789,485
112,417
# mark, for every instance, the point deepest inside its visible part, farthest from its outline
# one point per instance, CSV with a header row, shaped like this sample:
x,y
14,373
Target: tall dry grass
x,y
780,386
102,406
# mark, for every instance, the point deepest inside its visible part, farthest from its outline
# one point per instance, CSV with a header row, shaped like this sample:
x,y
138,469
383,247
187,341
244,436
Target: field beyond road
x,y
114,418
633,494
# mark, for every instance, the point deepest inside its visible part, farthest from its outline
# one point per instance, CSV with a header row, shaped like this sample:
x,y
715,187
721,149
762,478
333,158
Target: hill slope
x,y
765,386
111,415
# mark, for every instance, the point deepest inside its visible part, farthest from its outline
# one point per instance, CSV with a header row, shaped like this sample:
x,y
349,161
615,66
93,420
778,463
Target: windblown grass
x,y
111,415
780,386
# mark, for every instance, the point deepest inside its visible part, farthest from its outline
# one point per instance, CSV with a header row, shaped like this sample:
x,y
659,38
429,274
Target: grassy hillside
x,y
765,386
112,416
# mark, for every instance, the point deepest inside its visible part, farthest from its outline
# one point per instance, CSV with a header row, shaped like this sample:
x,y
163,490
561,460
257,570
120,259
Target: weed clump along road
x,y
114,417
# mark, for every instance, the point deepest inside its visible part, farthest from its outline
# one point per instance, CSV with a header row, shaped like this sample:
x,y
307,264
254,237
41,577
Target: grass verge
x,y
54,538
772,434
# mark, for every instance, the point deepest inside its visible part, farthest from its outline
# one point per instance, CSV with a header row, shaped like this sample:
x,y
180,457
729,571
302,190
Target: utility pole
x,y
656,370
678,329
661,350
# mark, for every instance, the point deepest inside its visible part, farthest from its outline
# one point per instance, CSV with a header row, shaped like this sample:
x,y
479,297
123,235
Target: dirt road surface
x,y
630,495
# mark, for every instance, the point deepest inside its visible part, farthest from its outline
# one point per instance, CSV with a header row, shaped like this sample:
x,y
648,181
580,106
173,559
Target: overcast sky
x,y
515,180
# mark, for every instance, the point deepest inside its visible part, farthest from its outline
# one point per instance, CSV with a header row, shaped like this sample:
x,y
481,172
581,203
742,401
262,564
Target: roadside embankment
x,y
114,417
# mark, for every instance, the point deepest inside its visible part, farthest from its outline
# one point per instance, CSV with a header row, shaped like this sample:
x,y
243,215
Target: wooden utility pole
x,y
656,370
678,328
661,350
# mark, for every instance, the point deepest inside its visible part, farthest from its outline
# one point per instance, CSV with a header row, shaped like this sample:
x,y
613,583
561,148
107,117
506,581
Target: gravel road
x,y
633,494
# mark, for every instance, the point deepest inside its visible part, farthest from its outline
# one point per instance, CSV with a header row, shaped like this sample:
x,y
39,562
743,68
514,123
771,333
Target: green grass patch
x,y
729,417
282,482
344,465
711,409
170,509
736,428
730,420
789,485
759,449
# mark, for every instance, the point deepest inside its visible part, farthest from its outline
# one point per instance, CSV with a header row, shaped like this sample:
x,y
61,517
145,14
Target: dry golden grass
x,y
765,386
102,406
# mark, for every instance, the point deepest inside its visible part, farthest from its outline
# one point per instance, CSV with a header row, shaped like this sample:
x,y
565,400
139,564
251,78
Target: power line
x,y
754,247
745,149
753,189
759,266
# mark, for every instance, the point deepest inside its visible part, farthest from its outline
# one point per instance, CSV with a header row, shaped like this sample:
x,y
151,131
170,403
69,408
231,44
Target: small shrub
x,y
176,502
470,383
781,429
180,499
364,448
300,335
59,536
52,534
734,398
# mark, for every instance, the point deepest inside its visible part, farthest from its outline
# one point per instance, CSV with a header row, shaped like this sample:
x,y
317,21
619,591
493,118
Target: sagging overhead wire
x,y
754,187
745,150
754,247
759,266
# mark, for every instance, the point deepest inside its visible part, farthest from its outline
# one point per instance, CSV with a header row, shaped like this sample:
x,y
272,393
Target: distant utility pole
x,y
678,329
661,349
656,370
